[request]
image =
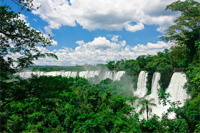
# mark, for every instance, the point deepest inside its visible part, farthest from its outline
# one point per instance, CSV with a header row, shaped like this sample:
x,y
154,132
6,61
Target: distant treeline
x,y
66,68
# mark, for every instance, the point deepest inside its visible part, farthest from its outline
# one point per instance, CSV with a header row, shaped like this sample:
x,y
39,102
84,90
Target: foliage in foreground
x,y
66,104
73,105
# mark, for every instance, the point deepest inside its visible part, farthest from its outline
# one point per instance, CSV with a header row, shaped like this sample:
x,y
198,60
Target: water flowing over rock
x,y
154,95
118,75
141,85
175,89
155,86
108,74
88,74
85,74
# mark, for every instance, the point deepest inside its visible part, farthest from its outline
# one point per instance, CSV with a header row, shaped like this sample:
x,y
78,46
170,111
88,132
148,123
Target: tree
x,y
111,65
178,56
18,42
146,105
18,49
24,4
186,29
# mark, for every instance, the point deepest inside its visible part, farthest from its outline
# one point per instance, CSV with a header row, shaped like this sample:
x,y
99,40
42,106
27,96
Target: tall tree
x,y
146,105
186,30
18,42
18,49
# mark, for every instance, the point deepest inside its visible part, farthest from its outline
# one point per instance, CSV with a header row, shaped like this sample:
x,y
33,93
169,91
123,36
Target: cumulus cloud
x,y
48,30
101,50
54,43
106,14
115,38
134,28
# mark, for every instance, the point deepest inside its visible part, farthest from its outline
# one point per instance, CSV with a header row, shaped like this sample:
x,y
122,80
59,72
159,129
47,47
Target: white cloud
x,y
80,42
134,28
48,30
101,50
54,43
106,14
115,38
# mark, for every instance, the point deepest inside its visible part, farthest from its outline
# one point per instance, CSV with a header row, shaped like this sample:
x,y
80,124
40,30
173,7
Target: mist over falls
x,y
175,89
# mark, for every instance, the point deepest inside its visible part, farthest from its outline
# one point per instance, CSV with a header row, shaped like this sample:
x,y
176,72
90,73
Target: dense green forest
x,y
57,104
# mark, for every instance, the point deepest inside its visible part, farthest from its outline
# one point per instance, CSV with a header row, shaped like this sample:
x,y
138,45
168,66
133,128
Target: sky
x,y
99,31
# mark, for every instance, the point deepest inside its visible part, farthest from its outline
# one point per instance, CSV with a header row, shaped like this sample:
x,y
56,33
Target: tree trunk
x,y
147,110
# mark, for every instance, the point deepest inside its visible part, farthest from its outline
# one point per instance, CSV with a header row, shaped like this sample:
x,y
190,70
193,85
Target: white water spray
x,y
85,74
141,85
175,89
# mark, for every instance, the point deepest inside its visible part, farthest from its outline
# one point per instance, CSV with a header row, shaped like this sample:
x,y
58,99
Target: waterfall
x,y
73,74
67,74
158,109
176,88
176,91
88,74
85,74
54,73
141,85
118,75
141,90
92,74
108,74
24,74
155,86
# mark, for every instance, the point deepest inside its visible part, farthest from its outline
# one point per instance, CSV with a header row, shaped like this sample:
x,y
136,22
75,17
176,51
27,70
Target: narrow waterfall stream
x,y
141,85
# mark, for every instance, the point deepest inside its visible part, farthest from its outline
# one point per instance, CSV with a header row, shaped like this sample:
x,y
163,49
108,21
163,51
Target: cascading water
x,y
24,74
141,90
154,94
92,74
84,74
118,75
88,74
108,74
141,85
175,89
73,74
155,86
66,74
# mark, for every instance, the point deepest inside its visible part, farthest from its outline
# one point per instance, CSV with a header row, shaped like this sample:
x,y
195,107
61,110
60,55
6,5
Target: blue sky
x,y
86,31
